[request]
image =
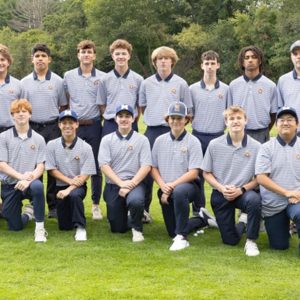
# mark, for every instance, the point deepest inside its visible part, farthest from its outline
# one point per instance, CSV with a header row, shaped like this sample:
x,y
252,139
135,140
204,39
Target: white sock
x,y
39,225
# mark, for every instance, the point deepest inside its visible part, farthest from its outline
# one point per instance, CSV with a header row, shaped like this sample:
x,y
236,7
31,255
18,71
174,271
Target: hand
x,y
123,192
77,181
293,194
128,184
27,176
164,199
293,200
167,188
231,192
63,194
22,185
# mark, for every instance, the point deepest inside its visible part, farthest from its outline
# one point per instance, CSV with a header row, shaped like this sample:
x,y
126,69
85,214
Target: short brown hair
x,y
86,44
232,110
257,51
5,53
210,55
19,104
119,43
164,52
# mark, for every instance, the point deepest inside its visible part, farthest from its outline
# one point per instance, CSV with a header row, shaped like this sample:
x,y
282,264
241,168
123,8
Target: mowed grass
x,y
110,266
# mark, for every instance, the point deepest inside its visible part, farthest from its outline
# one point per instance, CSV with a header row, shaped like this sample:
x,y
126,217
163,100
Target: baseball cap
x,y
286,110
295,45
124,107
68,114
177,109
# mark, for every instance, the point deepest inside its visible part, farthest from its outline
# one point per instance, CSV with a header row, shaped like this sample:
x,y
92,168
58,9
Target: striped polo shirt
x,y
288,91
156,95
208,106
46,96
175,157
10,90
83,92
77,159
21,154
125,155
231,165
115,90
257,96
281,162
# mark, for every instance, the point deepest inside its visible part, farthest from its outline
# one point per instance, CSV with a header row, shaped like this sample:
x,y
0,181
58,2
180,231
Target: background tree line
x,y
190,26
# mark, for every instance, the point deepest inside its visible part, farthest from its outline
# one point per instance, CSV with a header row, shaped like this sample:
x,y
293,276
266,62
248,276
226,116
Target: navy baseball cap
x,y
177,109
125,107
295,45
287,110
68,114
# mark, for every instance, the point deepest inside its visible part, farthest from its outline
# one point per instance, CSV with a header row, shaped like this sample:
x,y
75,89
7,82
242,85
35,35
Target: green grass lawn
x,y
110,266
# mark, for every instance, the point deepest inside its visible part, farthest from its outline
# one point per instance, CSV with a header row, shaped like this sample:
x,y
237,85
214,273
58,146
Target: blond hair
x,y
164,52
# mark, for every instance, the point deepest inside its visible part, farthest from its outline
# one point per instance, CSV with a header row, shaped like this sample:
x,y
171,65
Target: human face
x,y
4,65
41,61
177,124
295,57
124,120
286,126
121,57
236,122
164,65
251,62
86,56
68,128
21,117
210,67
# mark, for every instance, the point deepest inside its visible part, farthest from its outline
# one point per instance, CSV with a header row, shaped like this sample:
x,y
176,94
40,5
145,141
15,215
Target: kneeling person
x,y
125,160
70,161
22,157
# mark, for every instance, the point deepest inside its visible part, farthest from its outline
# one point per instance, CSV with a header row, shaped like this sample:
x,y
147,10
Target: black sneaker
x,y
52,214
205,214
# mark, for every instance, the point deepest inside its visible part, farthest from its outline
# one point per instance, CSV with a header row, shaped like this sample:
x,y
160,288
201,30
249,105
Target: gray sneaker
x,y
208,217
28,210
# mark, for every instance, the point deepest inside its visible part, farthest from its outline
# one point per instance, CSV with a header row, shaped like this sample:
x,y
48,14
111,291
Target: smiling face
x,y
121,57
68,127
4,65
86,56
124,119
21,117
236,122
295,57
41,61
286,126
177,124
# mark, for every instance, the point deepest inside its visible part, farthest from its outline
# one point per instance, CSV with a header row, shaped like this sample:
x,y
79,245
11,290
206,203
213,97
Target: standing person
x,y
81,85
125,159
228,166
209,97
278,171
255,93
288,86
177,157
157,92
44,90
22,157
120,86
70,161
10,89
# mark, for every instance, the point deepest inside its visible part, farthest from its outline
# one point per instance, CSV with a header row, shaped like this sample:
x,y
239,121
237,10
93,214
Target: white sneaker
x,y
210,219
80,235
28,210
40,235
137,236
96,213
179,243
251,248
243,218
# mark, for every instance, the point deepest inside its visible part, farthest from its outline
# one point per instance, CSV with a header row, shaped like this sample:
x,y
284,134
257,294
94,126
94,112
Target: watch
x,y
243,190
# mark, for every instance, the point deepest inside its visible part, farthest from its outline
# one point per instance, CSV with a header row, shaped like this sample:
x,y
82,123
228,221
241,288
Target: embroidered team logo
x,y
131,86
130,147
32,147
173,91
184,149
220,96
10,91
96,82
298,156
260,90
77,157
50,87
247,154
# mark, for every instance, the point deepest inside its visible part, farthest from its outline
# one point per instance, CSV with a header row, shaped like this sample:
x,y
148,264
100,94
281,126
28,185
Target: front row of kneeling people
x,y
260,180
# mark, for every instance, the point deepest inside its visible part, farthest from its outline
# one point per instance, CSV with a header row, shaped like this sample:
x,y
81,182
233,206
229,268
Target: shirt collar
x,y
244,141
29,132
120,136
71,146
118,75
7,78
283,143
93,72
180,138
203,85
254,79
47,77
166,79
295,75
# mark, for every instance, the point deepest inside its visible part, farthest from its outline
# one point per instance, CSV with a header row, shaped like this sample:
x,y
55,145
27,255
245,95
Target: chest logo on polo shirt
x,y
32,147
131,86
96,82
130,147
247,154
220,96
298,156
260,90
50,87
173,91
77,157
10,91
183,149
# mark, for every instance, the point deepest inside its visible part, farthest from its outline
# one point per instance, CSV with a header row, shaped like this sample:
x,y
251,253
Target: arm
x,y
273,118
108,171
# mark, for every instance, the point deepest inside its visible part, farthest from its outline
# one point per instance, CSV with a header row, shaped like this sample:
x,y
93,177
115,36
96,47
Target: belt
x,y
257,130
88,122
43,123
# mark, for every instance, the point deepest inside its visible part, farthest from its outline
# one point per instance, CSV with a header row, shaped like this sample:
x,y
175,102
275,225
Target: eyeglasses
x,y
288,120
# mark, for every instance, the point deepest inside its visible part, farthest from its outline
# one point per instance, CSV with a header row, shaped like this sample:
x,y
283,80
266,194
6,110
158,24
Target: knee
x,y
75,196
254,201
36,187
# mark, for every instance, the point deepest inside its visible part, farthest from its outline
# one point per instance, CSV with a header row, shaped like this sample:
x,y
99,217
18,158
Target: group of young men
x,y
67,115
